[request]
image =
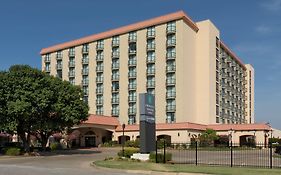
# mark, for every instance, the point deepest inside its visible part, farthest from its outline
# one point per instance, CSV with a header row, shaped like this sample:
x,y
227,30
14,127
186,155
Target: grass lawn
x,y
130,165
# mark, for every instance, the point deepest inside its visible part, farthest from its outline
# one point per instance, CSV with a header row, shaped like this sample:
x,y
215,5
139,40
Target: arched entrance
x,y
247,140
120,139
90,139
167,138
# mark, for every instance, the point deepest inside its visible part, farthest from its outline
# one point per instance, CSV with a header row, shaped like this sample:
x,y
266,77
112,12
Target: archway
x,y
90,139
167,138
247,140
120,139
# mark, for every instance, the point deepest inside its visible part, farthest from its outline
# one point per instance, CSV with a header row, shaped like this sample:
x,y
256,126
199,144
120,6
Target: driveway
x,y
71,162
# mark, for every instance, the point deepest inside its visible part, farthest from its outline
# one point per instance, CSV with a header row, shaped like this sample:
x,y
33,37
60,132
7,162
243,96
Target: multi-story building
x,y
194,76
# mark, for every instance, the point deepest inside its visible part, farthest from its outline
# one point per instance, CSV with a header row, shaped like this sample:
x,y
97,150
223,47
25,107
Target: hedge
x,y
128,152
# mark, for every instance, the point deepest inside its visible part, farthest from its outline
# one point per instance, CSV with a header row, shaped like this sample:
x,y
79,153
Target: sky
x,y
252,29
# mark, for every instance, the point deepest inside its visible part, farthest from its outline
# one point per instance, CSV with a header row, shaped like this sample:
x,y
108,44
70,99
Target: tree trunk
x,y
24,140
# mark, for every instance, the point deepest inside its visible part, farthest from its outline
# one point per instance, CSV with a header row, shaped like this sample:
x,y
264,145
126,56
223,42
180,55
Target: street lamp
x,y
123,139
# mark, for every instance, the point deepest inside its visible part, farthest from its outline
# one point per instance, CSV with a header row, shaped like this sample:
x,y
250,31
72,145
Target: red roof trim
x,y
102,120
232,54
125,29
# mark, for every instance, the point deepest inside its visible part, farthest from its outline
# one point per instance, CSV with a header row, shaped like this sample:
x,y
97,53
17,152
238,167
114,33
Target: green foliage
x,y
208,137
278,149
133,143
274,140
160,157
12,151
34,102
55,146
128,152
110,144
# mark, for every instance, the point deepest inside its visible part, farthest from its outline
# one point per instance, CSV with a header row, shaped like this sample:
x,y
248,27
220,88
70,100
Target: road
x,y
66,163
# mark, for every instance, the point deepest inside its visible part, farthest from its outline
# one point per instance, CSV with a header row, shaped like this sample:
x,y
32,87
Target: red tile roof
x,y
240,127
102,120
125,29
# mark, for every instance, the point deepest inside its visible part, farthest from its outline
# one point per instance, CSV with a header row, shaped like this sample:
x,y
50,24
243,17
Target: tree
x,y
36,103
208,137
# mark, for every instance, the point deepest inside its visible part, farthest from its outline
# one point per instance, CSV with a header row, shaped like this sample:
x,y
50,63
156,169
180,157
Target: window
x,y
132,96
151,43
171,65
71,72
99,56
115,64
85,70
115,52
217,110
115,86
171,27
71,52
132,36
151,91
115,110
132,108
100,44
132,48
85,48
47,58
99,66
72,81
85,59
99,110
99,77
132,119
171,40
132,72
115,97
99,99
59,54
132,60
151,56
86,90
151,81
151,69
151,32
170,118
171,52
171,79
115,75
132,83
99,88
85,80
59,65
171,92
47,67
115,41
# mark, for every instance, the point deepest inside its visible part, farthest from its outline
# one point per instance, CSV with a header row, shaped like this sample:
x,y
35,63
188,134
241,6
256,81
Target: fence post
x,y
231,154
196,156
270,146
164,156
156,152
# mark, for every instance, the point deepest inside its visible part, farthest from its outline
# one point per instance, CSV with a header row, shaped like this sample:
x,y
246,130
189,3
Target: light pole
x,y
123,139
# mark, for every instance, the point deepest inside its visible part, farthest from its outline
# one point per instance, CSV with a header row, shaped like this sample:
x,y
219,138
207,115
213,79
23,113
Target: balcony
x,y
114,89
99,80
99,58
171,30
99,91
132,74
99,69
170,68
59,66
85,82
115,55
85,61
150,84
171,56
71,64
115,77
71,54
132,99
71,74
132,87
85,72
47,59
150,60
150,34
171,82
115,112
99,102
170,95
99,47
171,43
115,66
171,108
132,111
115,100
132,52
132,39
132,63
115,43
150,47
150,72
85,50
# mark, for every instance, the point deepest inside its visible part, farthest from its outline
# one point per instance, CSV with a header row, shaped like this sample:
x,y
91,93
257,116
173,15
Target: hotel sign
x,y
147,108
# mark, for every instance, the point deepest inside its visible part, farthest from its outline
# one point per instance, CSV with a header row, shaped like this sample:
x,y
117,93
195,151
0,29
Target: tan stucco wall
x,y
250,94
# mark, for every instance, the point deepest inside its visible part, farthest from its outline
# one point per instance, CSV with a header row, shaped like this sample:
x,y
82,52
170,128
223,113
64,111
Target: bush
x,y
13,151
160,157
133,143
55,146
278,149
110,144
128,152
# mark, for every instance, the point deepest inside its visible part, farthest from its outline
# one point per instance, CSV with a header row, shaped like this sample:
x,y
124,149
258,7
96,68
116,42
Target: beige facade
x,y
194,76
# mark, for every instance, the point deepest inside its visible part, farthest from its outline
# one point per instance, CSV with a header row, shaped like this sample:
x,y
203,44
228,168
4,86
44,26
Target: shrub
x,y
128,152
55,146
13,151
160,157
133,143
278,149
110,144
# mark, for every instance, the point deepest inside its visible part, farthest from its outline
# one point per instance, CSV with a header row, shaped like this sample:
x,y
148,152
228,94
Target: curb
x,y
141,171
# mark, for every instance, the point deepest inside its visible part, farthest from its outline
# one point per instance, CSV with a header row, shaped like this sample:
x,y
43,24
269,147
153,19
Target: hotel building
x,y
194,76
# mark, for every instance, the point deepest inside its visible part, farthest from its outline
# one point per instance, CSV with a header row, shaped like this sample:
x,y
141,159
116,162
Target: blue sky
x,y
251,28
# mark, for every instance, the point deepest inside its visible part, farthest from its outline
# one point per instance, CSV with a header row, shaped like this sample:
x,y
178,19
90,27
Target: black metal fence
x,y
232,154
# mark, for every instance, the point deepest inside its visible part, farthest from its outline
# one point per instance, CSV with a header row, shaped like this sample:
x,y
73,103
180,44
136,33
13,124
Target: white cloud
x,y
272,5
